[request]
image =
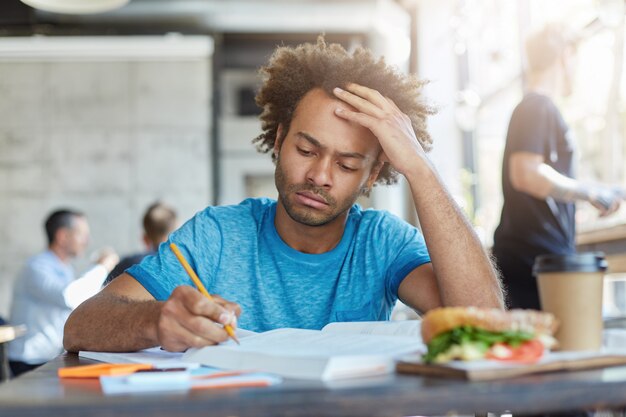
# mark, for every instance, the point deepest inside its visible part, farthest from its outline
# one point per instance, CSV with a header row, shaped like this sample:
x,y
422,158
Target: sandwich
x,y
470,333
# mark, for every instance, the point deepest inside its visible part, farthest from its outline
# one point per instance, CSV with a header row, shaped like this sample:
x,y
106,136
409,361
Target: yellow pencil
x,y
196,280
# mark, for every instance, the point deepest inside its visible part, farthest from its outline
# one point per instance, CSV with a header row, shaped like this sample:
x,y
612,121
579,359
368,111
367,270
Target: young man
x,y
158,222
538,214
46,290
311,257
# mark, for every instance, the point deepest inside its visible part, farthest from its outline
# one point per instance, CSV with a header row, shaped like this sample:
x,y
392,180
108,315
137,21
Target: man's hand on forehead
x,y
386,121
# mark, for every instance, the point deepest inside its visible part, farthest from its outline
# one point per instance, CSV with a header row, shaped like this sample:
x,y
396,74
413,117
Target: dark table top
x,y
41,393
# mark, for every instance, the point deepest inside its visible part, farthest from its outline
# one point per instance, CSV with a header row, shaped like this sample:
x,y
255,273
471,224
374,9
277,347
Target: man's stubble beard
x,y
309,217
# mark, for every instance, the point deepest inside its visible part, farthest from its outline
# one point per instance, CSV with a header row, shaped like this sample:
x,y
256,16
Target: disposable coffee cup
x,y
570,287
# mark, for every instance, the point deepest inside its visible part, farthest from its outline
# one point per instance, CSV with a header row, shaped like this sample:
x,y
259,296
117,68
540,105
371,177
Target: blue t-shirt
x,y
238,254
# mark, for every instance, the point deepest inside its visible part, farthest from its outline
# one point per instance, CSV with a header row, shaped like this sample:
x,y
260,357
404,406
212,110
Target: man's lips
x,y
310,199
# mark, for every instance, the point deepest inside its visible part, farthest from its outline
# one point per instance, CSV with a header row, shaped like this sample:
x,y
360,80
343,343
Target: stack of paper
x,y
171,374
341,350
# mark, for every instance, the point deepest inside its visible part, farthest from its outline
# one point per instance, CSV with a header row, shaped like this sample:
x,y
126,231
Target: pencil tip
x,y
231,333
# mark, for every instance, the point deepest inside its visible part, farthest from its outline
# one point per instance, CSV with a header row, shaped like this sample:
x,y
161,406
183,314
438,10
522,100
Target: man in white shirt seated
x,y
46,290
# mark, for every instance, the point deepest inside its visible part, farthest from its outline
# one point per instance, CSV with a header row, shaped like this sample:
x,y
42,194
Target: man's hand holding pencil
x,y
192,318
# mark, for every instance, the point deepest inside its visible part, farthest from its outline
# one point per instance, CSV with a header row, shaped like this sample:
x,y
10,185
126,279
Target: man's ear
x,y
378,165
61,236
278,140
147,242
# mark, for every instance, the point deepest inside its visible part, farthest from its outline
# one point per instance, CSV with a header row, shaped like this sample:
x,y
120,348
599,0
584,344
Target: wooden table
x,y
610,240
41,393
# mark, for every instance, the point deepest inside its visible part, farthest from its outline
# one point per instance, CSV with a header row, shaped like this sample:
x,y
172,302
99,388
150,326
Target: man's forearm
x,y
568,193
464,271
601,197
85,287
112,323
569,190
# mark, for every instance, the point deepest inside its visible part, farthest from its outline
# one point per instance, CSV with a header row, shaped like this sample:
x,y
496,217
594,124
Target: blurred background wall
x,y
104,125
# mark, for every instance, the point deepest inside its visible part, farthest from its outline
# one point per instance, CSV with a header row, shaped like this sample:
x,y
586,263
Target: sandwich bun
x,y
441,320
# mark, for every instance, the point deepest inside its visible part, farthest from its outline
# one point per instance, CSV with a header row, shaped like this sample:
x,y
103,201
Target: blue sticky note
x,y
146,382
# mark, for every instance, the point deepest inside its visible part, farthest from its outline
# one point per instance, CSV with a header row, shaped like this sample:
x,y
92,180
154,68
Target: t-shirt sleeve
x,y
408,249
199,240
530,128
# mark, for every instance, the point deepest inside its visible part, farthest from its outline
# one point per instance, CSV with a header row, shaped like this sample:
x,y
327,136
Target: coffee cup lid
x,y
579,262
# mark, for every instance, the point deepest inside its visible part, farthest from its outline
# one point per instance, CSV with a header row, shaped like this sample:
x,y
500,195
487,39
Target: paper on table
x,y
155,356
166,381
309,354
200,378
340,350
408,328
306,343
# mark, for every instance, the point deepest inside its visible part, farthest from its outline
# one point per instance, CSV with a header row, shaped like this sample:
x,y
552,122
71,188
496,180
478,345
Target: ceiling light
x,y
76,6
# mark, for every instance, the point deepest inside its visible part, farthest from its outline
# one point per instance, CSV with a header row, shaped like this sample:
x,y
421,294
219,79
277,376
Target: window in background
x,y
487,33
596,113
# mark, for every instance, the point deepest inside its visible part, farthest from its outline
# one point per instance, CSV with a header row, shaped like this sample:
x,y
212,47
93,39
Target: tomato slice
x,y
528,352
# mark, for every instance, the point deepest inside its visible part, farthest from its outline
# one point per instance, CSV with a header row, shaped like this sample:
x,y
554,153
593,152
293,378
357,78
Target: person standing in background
x,y
158,222
538,181
46,290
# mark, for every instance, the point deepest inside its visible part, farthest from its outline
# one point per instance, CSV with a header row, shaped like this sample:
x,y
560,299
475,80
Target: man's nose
x,y
320,173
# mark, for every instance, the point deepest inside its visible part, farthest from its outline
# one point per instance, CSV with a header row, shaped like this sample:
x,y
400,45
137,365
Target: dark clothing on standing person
x,y
530,226
124,264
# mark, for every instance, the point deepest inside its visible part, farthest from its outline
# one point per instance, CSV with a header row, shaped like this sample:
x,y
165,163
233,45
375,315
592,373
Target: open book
x,y
339,350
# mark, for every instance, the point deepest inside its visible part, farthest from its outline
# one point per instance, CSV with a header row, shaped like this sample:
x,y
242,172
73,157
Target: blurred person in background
x,y
158,222
46,290
538,181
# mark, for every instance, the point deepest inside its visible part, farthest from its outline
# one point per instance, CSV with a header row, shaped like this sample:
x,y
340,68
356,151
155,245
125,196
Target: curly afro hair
x,y
294,71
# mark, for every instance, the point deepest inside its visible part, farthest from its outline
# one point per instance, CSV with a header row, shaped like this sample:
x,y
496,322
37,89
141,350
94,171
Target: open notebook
x,y
339,350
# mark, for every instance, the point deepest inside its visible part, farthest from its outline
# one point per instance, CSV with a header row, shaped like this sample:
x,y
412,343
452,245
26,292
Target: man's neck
x,y
544,84
60,253
309,239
